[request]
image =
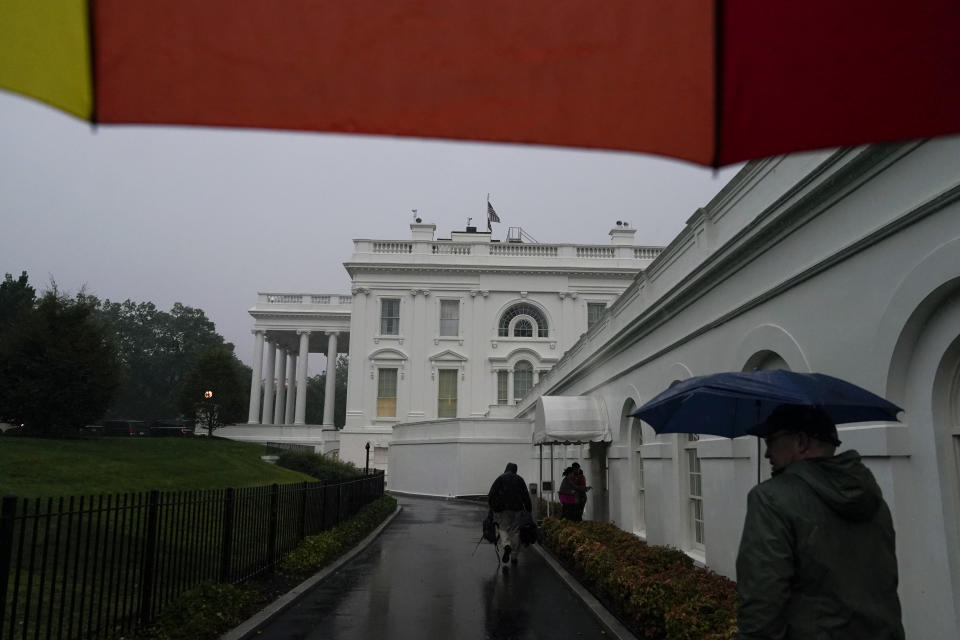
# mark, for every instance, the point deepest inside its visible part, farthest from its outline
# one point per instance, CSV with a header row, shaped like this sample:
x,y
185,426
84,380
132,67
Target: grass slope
x,y
41,467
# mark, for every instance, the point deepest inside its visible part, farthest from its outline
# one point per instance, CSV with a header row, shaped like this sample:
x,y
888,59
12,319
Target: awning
x,y
570,420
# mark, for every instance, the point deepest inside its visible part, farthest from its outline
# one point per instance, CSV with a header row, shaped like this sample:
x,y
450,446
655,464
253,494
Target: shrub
x,y
203,612
657,591
317,466
320,550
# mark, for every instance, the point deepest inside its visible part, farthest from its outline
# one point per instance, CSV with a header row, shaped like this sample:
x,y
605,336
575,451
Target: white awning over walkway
x,y
570,420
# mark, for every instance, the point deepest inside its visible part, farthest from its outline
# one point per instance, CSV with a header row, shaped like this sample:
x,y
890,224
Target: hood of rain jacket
x,y
817,556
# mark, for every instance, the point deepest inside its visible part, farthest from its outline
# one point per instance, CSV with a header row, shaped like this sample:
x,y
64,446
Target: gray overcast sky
x,y
209,217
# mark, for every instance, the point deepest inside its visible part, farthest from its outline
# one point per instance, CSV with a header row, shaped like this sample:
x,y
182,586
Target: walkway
x,y
421,579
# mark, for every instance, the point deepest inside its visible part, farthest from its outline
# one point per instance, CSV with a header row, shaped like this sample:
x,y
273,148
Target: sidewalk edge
x,y
248,627
616,628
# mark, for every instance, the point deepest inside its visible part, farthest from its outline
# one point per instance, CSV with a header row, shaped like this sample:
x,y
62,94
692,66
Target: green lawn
x,y
41,467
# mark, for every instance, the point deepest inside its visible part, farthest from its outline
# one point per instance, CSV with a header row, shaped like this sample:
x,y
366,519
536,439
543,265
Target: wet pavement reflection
x,y
421,578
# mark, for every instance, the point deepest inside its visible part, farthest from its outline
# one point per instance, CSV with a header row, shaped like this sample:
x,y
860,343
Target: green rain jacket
x,y
817,557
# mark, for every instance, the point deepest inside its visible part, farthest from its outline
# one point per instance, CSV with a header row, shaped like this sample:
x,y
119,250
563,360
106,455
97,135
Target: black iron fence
x,y
103,566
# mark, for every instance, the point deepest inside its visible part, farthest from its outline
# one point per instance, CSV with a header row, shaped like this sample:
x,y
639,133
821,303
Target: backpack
x,y
490,529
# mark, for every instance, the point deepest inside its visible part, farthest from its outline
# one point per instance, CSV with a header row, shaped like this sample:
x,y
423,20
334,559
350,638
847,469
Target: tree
x,y
316,394
156,348
216,370
16,296
58,366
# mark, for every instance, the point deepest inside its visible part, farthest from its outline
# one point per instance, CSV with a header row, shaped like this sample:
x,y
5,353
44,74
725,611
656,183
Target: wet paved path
x,y
420,579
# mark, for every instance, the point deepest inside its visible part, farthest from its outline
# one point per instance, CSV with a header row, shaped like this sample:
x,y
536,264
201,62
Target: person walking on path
x,y
508,498
580,484
817,556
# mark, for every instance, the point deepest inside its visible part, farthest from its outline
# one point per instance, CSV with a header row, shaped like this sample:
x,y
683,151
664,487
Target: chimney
x,y
622,234
422,230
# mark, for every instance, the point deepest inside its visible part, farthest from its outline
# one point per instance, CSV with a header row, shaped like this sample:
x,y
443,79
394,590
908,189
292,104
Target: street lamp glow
x,y
208,394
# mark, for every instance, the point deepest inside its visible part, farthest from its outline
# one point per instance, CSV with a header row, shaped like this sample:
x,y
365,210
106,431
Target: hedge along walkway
x,y
422,579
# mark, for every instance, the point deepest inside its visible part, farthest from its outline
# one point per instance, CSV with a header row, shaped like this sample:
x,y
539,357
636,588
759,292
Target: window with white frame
x,y
386,393
447,393
449,317
530,320
522,380
389,316
694,492
595,311
503,382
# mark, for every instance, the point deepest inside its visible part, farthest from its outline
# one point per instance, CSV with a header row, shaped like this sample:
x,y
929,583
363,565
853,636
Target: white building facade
x,y
464,327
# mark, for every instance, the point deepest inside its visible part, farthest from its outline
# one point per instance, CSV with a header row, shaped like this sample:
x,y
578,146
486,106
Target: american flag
x,y
491,214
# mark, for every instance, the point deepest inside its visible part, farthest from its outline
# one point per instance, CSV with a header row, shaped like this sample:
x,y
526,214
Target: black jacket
x,y
509,493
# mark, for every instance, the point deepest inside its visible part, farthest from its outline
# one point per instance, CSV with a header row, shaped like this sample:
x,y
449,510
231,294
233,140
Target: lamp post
x,y
366,466
210,411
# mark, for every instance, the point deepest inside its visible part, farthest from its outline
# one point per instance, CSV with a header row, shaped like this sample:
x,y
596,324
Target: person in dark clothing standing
x,y
580,484
817,556
508,498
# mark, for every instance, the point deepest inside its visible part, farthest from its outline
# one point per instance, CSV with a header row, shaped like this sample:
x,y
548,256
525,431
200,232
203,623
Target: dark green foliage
x,y
215,369
156,349
204,612
16,296
318,551
58,367
319,467
657,590
316,395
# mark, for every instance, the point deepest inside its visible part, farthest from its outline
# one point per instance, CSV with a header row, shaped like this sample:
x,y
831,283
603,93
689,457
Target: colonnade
x,y
283,380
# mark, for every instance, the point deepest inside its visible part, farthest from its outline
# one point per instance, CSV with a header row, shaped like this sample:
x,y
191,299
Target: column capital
x,y
332,333
360,291
258,331
301,332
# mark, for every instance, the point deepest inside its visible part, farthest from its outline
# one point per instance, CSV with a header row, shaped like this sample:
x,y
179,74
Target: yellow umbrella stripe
x,y
45,52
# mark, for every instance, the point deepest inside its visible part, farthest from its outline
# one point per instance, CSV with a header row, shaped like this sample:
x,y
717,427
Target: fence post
x,y
303,510
8,511
149,557
226,544
339,501
274,523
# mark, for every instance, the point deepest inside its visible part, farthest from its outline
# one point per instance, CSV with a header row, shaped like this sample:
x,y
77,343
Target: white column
x,y
329,394
536,377
291,388
281,388
300,416
268,384
510,386
254,415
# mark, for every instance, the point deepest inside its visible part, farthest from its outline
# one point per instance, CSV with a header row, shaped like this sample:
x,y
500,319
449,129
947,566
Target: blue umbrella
x,y
732,404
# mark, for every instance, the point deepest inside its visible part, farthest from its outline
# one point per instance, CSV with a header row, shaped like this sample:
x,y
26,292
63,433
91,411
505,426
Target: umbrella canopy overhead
x,y
710,82
732,404
570,419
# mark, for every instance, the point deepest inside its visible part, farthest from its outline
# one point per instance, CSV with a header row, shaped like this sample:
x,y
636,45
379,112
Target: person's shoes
x,y
506,554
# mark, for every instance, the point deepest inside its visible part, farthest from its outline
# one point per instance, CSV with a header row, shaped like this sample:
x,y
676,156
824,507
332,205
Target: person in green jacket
x,y
817,557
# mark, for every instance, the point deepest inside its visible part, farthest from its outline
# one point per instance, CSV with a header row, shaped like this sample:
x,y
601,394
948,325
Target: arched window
x,y
530,322
523,328
522,380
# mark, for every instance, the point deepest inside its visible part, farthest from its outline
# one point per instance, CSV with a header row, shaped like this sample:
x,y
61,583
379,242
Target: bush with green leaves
x,y
317,466
205,611
318,551
657,591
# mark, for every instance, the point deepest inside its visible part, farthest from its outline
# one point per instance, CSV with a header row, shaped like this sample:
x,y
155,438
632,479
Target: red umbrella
x,y
710,82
